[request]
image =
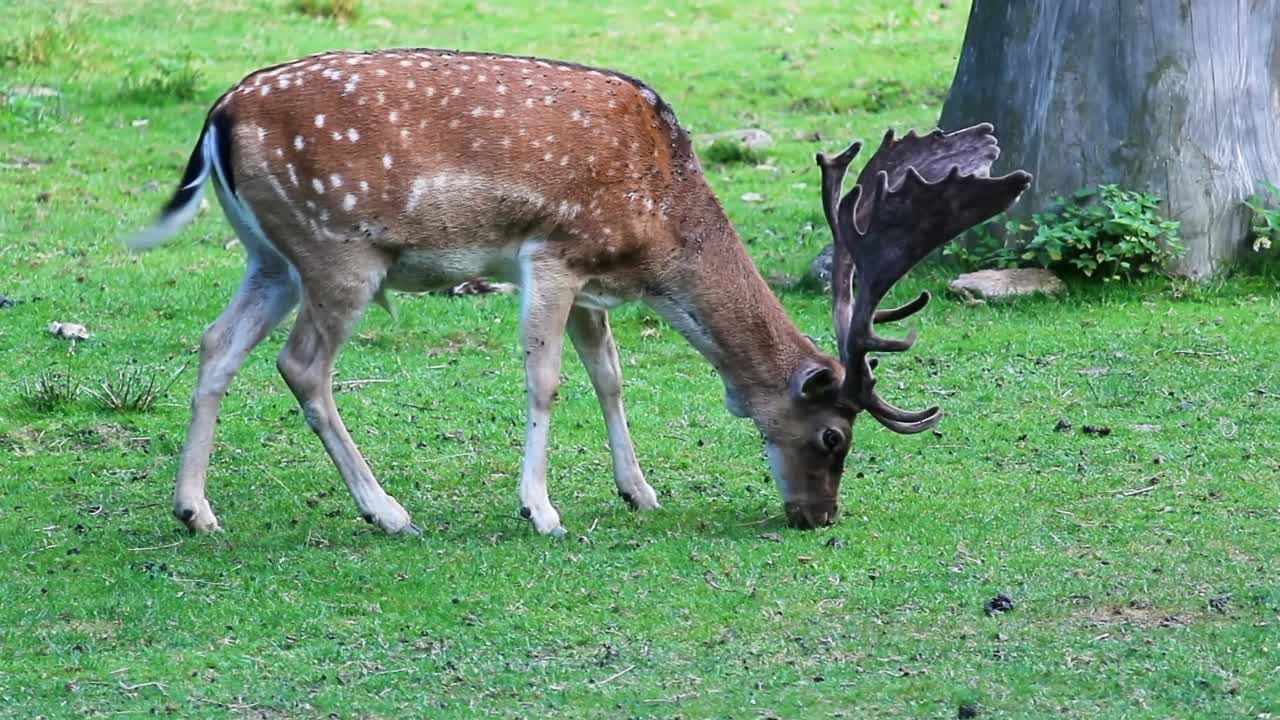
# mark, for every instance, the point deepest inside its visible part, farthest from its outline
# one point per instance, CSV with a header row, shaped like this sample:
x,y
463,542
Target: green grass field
x,y
1144,565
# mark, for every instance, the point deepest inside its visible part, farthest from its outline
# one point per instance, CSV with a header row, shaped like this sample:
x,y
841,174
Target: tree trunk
x,y
1179,98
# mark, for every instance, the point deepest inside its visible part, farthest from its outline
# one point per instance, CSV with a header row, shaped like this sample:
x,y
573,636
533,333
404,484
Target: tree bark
x,y
1179,98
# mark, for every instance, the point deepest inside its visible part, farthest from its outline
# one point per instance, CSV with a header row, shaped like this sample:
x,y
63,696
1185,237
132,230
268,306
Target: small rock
x,y
836,543
1145,428
1186,405
1220,603
69,331
1001,603
771,537
997,284
819,273
1062,426
33,91
6,303
967,710
752,197
20,164
750,138
1099,430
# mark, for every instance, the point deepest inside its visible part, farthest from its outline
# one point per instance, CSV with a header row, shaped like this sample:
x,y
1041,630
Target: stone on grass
x,y
750,138
999,284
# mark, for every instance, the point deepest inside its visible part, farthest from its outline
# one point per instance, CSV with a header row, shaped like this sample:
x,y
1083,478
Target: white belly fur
x,y
422,270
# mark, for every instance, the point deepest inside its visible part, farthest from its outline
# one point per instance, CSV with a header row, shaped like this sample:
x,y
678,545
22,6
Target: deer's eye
x,y
832,439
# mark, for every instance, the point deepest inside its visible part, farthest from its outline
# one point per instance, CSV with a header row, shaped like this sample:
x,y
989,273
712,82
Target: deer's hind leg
x,y
269,291
330,311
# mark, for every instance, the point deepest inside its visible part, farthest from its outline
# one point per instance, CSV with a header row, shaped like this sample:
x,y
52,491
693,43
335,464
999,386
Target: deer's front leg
x,y
546,296
589,331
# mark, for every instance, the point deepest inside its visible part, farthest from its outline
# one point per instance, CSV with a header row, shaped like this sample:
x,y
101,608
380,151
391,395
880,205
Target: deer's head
x,y
914,194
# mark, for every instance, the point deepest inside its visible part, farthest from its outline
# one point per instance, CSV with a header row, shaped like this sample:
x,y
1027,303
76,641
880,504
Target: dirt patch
x,y
1136,616
107,436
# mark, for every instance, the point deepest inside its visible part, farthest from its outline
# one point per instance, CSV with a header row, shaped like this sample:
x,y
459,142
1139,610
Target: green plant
x,y
985,246
132,389
41,46
340,10
49,390
168,78
29,111
1264,232
1105,231
726,151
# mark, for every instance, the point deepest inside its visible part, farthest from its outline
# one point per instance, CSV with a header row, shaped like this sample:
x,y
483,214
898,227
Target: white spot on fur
x,y
283,82
337,136
299,142
478,112
353,134
411,84
348,202
499,112
320,121
262,134
431,92
335,181
394,116
386,161
293,175
364,186
454,123
502,89
317,185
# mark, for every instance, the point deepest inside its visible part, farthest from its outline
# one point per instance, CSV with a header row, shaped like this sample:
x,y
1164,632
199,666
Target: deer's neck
x,y
715,296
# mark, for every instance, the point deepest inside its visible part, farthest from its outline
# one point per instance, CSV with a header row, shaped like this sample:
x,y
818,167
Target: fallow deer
x,y
347,174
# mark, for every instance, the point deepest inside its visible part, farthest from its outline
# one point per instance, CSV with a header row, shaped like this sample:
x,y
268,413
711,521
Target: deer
x,y
349,174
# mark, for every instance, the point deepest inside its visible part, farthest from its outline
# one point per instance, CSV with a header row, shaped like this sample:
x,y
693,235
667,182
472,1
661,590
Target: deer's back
x,y
427,153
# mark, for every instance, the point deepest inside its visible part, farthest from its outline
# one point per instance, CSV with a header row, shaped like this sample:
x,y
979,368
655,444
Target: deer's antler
x,y
927,190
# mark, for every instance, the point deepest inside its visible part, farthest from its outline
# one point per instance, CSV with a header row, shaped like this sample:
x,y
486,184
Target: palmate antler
x,y
913,195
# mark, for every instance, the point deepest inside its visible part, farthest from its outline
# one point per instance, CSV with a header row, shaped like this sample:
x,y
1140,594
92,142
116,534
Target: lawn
x,y
1143,564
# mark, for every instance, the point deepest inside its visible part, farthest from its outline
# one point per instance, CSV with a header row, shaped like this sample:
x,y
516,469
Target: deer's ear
x,y
812,381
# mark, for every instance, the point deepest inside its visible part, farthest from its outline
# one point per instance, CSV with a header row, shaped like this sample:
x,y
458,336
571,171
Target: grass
x,y
1142,564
